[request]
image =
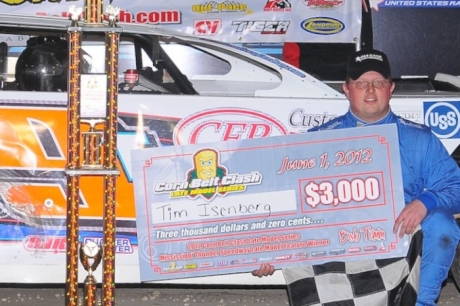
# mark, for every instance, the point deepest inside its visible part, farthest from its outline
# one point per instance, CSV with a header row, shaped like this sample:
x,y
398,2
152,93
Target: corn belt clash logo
x,y
208,178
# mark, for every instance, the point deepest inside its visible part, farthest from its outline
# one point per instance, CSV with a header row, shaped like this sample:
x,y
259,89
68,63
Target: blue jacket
x,y
429,173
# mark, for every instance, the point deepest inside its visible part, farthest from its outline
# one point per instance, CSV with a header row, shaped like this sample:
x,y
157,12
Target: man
x,y
431,178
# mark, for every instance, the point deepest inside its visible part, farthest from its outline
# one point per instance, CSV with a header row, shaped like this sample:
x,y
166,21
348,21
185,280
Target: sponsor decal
x,y
299,118
223,124
443,118
249,260
235,262
173,267
152,17
364,57
207,27
206,264
417,3
54,244
318,253
190,266
337,251
122,245
214,7
283,257
208,178
410,115
301,255
222,263
265,27
354,250
278,6
370,248
322,25
411,123
323,4
263,259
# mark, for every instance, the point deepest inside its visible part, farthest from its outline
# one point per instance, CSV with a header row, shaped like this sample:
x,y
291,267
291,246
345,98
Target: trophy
x,y
92,99
90,257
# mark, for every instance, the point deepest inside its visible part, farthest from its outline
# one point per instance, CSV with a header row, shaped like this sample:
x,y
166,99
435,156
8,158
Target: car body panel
x,y
276,99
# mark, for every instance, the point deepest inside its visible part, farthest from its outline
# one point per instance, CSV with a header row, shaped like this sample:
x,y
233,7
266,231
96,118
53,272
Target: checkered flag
x,y
383,282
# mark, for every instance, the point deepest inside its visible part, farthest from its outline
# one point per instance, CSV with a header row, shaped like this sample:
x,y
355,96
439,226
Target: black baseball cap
x,y
368,60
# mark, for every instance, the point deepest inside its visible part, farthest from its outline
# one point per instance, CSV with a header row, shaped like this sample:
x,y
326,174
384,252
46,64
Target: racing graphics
x,y
33,187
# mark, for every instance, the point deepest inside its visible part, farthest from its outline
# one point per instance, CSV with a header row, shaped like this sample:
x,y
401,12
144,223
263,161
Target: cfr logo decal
x,y
207,27
223,124
443,118
264,27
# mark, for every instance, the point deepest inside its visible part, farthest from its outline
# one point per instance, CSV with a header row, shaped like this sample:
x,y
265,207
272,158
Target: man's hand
x,y
409,218
264,270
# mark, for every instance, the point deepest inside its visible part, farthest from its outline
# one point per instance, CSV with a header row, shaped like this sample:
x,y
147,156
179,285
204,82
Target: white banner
x,y
245,21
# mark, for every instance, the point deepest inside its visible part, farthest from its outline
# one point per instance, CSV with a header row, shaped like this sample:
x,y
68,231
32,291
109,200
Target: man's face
x,y
370,103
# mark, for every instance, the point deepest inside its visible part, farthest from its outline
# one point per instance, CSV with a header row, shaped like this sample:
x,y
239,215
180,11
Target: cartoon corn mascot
x,y
206,163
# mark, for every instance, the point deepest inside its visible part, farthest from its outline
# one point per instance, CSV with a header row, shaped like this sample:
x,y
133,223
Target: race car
x,y
188,90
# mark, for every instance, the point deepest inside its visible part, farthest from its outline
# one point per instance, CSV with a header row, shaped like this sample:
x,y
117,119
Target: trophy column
x,y
73,162
110,149
92,121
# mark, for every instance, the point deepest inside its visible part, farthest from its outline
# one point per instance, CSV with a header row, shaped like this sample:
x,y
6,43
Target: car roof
x,y
296,82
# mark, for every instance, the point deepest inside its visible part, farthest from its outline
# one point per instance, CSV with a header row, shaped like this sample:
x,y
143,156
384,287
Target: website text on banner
x,y
246,21
303,199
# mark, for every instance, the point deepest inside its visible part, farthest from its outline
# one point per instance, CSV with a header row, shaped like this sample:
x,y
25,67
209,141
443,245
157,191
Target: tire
x,y
455,268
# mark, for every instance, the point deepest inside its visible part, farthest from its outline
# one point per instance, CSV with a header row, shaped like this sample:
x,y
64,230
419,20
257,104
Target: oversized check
x,y
304,199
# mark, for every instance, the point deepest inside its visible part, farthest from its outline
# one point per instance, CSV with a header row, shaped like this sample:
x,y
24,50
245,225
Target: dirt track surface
x,y
152,295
